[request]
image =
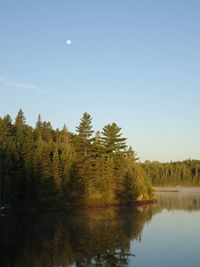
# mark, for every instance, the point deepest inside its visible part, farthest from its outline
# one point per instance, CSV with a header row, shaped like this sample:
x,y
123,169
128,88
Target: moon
x,y
68,42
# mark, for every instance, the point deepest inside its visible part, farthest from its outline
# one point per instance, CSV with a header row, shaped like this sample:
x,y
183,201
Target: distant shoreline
x,y
176,189
166,189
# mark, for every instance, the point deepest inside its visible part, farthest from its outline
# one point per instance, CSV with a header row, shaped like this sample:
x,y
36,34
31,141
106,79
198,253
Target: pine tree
x,y
20,134
112,140
84,135
110,191
132,154
56,169
84,152
38,127
97,146
7,158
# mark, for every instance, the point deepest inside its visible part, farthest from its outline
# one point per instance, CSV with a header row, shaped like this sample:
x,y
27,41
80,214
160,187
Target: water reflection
x,y
184,199
96,237
171,238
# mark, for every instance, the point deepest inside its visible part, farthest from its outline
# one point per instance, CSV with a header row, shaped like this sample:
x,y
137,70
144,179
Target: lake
x,y
165,234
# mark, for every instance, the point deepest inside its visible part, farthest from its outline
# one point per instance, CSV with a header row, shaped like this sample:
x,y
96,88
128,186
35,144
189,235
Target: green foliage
x,y
173,173
43,167
112,140
85,128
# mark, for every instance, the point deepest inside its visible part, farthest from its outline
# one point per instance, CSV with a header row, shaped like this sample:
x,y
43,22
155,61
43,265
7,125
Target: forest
x,y
180,173
42,167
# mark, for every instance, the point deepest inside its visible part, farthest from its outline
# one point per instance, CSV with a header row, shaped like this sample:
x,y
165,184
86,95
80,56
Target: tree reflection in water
x,y
185,199
93,237
88,237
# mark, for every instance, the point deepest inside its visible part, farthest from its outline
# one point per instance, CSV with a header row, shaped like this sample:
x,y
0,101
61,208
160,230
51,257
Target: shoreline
x,y
176,189
134,204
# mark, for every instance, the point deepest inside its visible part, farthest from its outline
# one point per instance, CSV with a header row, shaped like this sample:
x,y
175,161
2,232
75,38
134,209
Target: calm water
x,y
167,234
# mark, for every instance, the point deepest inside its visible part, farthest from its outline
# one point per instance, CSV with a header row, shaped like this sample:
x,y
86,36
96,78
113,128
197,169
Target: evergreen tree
x,y
56,169
112,140
38,127
97,146
84,135
109,173
7,158
84,154
20,182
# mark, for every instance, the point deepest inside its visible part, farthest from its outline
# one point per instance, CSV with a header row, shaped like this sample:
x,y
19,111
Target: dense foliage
x,y
43,167
173,173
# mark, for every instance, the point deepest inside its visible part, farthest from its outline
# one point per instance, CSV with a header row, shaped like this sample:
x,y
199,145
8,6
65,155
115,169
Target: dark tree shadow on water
x,y
88,237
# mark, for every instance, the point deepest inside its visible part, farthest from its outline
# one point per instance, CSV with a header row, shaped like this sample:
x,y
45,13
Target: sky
x,y
133,62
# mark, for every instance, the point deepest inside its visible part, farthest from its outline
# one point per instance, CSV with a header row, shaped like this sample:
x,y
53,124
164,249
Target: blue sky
x,y
133,62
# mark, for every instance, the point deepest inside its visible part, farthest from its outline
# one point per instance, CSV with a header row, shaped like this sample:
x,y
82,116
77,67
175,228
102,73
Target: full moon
x,y
68,42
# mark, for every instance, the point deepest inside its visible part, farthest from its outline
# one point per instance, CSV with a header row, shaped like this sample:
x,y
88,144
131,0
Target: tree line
x,y
45,167
185,173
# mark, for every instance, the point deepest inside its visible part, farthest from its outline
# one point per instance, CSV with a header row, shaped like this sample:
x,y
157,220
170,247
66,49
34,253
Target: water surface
x,y
166,234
